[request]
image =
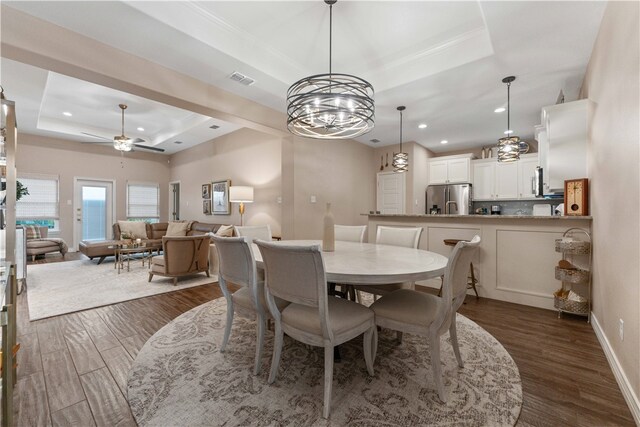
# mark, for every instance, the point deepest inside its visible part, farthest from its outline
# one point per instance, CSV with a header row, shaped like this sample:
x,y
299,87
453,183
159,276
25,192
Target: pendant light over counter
x,y
400,160
509,146
330,106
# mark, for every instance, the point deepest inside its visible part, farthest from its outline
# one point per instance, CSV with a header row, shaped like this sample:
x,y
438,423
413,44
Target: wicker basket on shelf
x,y
576,247
572,275
577,307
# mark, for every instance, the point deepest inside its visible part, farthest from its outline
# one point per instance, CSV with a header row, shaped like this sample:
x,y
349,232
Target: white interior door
x,y
94,209
391,193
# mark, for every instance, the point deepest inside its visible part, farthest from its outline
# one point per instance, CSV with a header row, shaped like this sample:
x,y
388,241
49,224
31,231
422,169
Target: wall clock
x,y
576,197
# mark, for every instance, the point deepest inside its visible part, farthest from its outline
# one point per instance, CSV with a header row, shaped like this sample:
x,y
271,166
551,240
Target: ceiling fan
x,y
122,142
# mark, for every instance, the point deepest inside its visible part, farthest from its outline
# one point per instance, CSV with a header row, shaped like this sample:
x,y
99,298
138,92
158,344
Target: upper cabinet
x,y
504,181
450,169
562,143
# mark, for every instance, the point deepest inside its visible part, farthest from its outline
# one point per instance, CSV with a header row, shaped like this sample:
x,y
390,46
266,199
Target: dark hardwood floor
x,y
73,368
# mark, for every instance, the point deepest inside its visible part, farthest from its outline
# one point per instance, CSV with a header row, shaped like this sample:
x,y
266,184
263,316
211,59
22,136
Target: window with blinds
x,y
42,200
143,201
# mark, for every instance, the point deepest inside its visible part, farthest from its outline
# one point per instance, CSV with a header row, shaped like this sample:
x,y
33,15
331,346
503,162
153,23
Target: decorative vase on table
x,y
329,236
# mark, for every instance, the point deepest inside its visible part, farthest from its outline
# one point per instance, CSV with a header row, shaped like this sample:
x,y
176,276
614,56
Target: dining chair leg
x,y
277,352
261,325
374,348
328,380
227,328
436,366
453,333
368,349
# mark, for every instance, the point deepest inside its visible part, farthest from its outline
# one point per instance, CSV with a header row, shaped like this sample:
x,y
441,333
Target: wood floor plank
x,y
78,415
50,335
63,383
107,402
83,352
31,403
70,323
119,363
23,325
29,360
100,334
134,344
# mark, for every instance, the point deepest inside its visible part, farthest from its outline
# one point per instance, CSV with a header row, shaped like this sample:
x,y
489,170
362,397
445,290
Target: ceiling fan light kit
x,y
400,160
509,146
330,106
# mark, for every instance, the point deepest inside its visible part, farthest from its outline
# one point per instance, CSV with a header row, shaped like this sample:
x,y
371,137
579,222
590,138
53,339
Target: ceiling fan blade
x,y
96,136
97,142
161,150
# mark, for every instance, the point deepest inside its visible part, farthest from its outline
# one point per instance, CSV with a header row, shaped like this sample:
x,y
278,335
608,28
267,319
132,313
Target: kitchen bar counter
x,y
517,256
482,217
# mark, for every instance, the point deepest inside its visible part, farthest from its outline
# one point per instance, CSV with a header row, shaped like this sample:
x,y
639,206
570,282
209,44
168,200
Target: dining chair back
x,y
253,232
236,264
350,233
424,314
408,237
297,275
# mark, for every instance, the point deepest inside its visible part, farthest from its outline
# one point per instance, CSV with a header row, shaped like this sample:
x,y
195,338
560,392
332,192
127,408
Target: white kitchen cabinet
x,y
526,175
504,181
450,169
562,143
484,176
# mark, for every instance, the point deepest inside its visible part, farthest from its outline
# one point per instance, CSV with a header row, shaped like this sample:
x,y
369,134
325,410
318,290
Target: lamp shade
x,y
240,193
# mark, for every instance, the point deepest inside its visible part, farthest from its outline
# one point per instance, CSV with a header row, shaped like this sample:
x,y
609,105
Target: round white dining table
x,y
371,264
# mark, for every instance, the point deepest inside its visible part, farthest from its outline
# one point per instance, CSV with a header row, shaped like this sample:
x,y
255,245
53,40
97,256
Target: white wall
x,y
611,82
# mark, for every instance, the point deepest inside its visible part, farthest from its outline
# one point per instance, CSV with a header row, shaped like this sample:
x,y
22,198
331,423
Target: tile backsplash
x,y
516,207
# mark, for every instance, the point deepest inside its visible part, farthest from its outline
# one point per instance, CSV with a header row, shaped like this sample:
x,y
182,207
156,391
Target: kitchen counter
x,y
429,216
517,256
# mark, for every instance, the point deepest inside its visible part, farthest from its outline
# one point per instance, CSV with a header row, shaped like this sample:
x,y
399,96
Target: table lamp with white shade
x,y
241,194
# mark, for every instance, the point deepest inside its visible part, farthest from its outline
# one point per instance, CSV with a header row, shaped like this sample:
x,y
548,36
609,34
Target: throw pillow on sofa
x,y
225,231
177,229
134,229
32,232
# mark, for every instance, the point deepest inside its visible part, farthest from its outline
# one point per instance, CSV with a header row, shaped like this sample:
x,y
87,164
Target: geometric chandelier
x,y
509,146
400,160
330,106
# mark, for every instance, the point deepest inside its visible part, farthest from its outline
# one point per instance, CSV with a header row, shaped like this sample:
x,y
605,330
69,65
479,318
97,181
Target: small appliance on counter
x,y
496,209
451,199
543,209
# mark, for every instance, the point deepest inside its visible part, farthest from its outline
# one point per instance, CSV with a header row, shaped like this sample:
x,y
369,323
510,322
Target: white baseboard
x,y
623,382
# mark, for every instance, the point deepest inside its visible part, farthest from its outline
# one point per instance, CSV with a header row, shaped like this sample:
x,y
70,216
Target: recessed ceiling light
x,y
508,132
444,141
141,129
422,126
500,110
68,114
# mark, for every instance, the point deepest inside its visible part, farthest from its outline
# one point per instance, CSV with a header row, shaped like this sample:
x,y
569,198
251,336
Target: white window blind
x,y
143,200
42,200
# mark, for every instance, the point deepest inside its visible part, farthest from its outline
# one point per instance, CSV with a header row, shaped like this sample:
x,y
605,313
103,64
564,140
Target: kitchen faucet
x,y
447,209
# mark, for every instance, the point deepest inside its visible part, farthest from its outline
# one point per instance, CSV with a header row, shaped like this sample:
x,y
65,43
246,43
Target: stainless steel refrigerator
x,y
453,199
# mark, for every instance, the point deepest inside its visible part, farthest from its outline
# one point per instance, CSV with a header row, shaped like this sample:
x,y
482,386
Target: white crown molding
x,y
625,385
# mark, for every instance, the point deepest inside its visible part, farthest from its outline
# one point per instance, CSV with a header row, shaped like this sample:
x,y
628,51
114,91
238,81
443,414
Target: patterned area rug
x,y
64,287
181,378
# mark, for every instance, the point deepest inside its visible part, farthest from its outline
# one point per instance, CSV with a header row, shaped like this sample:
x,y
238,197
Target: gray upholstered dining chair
x,y
420,313
237,265
408,237
253,232
350,233
296,274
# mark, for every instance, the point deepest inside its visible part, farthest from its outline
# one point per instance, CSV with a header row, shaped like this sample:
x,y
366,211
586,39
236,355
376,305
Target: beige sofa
x,y
155,232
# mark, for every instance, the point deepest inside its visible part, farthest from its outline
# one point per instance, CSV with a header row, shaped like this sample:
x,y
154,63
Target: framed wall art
x,y
206,191
221,203
206,207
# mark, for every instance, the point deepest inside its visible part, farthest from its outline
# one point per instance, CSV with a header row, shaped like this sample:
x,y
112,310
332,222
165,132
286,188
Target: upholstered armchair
x,y
183,256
